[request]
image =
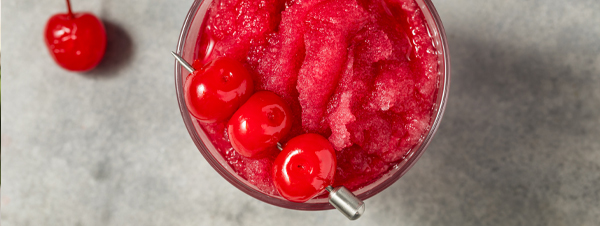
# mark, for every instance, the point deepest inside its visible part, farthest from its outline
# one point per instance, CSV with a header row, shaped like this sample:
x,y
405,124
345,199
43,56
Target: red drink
x,y
362,73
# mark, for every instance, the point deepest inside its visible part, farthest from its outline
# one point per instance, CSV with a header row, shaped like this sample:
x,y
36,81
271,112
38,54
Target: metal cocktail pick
x,y
346,202
340,197
183,63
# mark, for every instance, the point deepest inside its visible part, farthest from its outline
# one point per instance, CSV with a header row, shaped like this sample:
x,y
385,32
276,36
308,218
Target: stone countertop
x,y
519,143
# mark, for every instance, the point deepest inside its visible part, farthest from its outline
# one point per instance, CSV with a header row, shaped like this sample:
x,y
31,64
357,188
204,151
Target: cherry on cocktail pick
x,y
257,126
214,92
76,41
340,197
306,166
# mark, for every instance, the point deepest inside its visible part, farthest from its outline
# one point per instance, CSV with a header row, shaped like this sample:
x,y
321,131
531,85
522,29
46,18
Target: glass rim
x,y
363,193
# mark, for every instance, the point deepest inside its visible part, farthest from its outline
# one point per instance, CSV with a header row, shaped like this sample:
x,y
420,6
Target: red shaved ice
x,y
362,73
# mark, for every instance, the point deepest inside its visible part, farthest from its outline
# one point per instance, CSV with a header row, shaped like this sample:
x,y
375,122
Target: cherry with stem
x,y
76,41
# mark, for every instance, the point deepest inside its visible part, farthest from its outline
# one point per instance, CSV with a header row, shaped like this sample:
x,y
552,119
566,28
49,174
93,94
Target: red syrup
x,y
363,74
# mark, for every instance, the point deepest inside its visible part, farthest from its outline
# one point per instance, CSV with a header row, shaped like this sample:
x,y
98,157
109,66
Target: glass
x,y
186,47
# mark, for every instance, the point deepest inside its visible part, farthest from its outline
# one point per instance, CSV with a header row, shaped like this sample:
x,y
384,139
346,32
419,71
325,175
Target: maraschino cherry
x,y
76,41
215,92
259,124
304,168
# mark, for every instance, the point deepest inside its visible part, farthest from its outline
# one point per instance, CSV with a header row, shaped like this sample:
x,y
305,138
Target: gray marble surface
x,y
519,143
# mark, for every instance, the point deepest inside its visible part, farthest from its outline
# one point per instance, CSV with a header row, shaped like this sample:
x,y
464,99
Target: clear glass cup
x,y
186,47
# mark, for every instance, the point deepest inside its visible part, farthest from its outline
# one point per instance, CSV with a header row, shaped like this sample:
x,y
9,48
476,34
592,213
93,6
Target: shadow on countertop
x,y
119,51
518,144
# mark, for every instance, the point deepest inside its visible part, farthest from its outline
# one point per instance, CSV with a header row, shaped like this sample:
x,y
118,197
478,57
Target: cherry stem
x,y
69,8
